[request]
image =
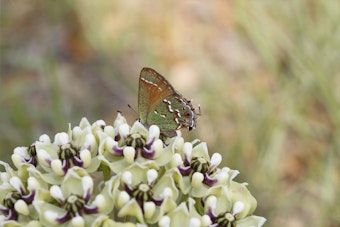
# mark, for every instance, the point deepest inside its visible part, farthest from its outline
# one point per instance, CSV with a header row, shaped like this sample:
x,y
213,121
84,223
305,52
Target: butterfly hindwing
x,y
152,88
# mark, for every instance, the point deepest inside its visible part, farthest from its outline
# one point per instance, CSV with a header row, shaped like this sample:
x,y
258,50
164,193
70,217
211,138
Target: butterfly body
x,y
160,104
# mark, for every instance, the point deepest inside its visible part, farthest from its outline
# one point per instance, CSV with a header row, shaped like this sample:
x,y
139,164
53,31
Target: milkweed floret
x,y
121,175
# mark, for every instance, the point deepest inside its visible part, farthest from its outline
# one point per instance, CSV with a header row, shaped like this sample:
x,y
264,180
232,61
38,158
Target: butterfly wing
x,y
173,113
153,88
160,104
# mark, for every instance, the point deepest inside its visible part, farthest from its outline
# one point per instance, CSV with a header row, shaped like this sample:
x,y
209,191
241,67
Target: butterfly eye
x,y
187,113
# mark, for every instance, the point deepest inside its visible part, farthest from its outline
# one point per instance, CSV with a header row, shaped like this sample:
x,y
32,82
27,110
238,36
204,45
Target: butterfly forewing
x,y
152,89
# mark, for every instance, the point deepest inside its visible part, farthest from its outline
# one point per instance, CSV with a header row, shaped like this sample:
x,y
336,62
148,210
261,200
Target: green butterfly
x,y
161,105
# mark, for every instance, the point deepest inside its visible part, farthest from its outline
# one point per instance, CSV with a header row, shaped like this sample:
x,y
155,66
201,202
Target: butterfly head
x,y
189,115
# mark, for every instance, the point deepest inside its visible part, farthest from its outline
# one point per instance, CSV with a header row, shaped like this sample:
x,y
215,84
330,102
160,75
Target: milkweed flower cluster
x,y
120,175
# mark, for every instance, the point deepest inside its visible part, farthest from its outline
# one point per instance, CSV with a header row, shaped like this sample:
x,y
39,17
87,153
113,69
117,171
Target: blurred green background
x,y
265,73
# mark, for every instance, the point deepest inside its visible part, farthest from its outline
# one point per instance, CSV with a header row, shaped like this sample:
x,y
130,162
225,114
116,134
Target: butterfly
x,y
159,104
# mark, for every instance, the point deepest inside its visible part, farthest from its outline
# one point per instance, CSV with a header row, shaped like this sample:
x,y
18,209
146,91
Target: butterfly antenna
x,y
199,111
134,111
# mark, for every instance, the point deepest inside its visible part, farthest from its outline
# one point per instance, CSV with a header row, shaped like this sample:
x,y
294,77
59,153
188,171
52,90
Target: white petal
x,y
56,193
211,202
61,138
85,156
176,160
194,222
206,221
51,217
119,120
56,166
78,221
99,123
109,130
90,140
21,151
16,183
33,183
187,149
110,144
197,179
167,193
127,177
124,130
21,207
157,146
216,159
100,202
123,198
222,176
45,138
154,131
76,131
164,222
87,184
44,157
17,160
238,207
129,154
152,175
149,209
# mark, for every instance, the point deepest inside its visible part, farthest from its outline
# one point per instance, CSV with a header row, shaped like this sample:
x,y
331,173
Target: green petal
x,y
183,182
138,128
179,216
165,156
166,181
201,150
132,209
223,203
84,123
72,183
239,192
